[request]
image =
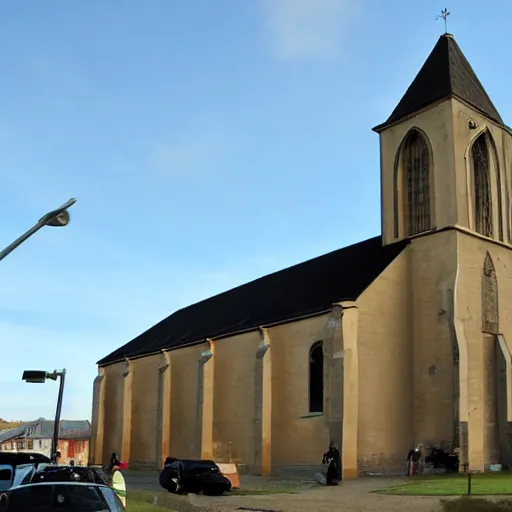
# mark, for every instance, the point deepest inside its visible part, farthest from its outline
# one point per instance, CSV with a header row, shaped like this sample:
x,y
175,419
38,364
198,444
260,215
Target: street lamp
x,y
56,218
40,377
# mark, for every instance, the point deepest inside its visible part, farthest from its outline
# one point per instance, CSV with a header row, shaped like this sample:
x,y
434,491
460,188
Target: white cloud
x,y
308,28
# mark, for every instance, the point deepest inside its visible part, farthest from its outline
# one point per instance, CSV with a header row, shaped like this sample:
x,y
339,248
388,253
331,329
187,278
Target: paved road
x,y
350,496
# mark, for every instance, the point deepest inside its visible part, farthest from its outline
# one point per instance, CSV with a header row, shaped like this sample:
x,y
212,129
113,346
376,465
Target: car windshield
x,y
62,498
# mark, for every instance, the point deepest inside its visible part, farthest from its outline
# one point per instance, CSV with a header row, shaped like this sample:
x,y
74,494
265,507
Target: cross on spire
x,y
444,15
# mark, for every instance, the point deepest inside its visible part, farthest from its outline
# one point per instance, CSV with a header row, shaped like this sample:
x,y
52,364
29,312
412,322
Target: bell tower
x,y
445,154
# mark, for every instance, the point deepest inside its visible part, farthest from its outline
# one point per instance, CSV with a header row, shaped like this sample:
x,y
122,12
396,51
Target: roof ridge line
x,y
450,49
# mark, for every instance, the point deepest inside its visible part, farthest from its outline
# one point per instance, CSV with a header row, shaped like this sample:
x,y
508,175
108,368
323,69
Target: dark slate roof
x,y
446,73
43,429
69,429
304,289
12,433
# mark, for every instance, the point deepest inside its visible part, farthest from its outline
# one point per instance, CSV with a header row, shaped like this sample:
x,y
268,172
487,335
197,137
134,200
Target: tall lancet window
x,y
316,377
482,187
416,168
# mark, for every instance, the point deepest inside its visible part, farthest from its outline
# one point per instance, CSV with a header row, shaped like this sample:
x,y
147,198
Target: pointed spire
x,y
446,73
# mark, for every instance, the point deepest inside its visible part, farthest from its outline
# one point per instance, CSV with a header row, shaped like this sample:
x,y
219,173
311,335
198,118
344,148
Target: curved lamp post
x,y
40,377
56,218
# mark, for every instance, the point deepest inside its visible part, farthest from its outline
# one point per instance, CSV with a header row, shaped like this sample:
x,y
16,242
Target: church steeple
x,y
446,73
444,154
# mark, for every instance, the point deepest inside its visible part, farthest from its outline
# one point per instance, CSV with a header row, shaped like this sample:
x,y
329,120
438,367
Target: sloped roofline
x,y
446,73
350,271
29,430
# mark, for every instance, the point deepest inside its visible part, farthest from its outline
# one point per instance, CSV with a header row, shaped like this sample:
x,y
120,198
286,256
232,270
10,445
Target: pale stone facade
x,y
422,353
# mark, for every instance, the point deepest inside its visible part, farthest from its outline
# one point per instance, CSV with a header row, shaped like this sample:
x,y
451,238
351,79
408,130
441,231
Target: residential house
x,y
36,436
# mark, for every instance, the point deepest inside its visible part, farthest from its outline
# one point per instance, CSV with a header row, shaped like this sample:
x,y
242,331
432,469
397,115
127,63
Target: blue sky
x,y
208,143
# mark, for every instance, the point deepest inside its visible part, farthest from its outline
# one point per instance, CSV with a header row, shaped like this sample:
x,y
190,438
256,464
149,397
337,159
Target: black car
x,y
183,476
41,473
62,497
10,461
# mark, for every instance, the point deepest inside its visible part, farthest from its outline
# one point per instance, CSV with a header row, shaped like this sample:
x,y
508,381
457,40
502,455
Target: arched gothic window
x,y
316,377
416,184
482,196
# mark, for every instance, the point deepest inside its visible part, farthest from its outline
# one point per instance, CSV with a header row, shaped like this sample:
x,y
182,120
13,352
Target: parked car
x,y
62,497
40,471
183,476
10,461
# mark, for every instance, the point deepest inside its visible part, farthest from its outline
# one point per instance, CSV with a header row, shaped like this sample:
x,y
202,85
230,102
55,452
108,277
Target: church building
x,y
399,339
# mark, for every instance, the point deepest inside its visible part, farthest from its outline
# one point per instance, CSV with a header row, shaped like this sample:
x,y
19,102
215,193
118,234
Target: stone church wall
x,y
433,271
145,417
489,430
298,437
407,373
234,399
405,385
113,410
185,439
385,372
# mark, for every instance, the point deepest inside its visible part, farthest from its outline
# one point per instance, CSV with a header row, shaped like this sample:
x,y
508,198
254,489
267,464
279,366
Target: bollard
x,y
469,483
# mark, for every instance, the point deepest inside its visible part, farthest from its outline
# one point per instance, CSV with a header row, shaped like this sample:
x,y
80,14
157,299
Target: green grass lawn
x,y
141,506
142,501
453,485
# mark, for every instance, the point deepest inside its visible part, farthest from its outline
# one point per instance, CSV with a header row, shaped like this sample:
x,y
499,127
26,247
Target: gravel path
x,y
349,496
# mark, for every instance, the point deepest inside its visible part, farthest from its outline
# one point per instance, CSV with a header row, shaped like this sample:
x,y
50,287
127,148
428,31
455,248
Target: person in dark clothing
x,y
413,460
170,476
114,462
333,460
